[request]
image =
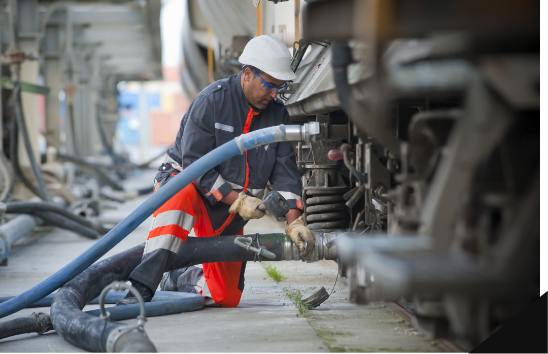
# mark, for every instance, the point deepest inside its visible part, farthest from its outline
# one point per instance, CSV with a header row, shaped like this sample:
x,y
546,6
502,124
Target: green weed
x,y
274,273
297,299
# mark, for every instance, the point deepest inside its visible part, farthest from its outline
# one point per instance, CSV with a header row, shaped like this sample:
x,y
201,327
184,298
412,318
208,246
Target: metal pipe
x,y
259,18
345,149
355,197
13,230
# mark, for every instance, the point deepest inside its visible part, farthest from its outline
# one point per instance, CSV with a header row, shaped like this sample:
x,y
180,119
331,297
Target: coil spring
x,y
326,209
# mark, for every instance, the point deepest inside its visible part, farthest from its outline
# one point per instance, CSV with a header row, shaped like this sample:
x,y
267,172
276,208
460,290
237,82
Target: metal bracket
x,y
246,242
291,88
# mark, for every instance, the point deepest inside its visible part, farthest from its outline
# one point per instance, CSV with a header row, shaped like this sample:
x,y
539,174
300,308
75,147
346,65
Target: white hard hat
x,y
269,55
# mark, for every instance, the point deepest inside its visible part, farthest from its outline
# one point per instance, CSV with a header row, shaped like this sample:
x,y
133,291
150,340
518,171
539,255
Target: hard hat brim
x,y
284,75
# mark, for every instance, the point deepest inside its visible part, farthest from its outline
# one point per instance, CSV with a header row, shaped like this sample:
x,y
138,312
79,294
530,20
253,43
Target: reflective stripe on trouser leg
x,y
169,228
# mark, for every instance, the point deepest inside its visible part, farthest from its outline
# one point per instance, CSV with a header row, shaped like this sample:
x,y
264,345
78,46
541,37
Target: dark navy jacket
x,y
216,116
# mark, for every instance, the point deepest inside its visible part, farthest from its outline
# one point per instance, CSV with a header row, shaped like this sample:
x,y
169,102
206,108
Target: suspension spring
x,y
325,208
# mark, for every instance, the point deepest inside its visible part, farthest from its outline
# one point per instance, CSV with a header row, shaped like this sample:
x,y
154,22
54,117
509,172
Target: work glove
x,y
299,234
246,206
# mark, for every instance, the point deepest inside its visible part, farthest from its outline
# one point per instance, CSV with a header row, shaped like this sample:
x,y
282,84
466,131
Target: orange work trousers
x,y
170,227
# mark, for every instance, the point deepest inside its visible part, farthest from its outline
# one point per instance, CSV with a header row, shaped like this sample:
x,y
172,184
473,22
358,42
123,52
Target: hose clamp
x,y
240,145
247,242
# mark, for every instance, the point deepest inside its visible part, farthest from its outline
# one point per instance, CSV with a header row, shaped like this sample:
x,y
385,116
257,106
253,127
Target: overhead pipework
x,y
68,52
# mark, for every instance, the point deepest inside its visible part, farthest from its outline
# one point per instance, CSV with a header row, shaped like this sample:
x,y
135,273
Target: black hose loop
x,y
20,118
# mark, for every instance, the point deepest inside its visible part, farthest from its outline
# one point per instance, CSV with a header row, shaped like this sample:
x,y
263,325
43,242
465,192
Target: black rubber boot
x,y
130,299
169,279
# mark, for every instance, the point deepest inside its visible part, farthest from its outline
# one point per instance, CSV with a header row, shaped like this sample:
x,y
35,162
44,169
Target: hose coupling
x,y
247,243
141,319
302,132
321,251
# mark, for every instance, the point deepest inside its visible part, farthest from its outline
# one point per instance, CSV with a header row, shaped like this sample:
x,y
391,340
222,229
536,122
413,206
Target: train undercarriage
x,y
426,173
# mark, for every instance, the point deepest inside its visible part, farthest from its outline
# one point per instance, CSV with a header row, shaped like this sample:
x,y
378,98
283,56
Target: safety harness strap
x,y
246,130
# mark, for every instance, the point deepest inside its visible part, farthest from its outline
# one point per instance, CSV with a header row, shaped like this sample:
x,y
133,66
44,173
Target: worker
x,y
225,198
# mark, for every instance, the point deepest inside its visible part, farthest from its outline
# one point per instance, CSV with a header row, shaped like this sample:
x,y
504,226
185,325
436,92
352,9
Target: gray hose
x,y
19,117
35,323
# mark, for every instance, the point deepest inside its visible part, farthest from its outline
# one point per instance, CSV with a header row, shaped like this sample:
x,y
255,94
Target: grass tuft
x,y
297,299
274,273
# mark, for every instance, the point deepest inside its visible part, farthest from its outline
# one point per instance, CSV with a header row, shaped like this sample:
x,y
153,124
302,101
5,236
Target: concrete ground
x,y
265,321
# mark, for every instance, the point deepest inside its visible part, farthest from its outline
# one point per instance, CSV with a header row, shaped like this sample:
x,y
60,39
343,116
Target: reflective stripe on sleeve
x,y
173,163
218,183
289,195
257,193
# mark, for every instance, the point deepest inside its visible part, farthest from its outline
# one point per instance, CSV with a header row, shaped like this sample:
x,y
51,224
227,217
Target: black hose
x,y
146,190
73,325
7,176
100,174
116,159
14,153
89,332
71,121
67,224
20,118
35,323
111,197
198,250
103,135
33,208
91,168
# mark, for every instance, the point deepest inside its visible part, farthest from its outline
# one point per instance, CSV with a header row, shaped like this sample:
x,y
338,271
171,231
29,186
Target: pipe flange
x,y
141,319
120,331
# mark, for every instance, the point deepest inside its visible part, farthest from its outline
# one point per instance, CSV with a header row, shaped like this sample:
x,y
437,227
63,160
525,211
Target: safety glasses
x,y
269,87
